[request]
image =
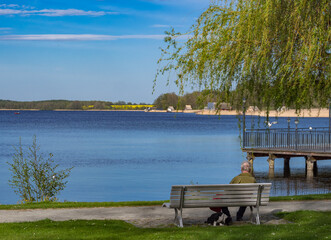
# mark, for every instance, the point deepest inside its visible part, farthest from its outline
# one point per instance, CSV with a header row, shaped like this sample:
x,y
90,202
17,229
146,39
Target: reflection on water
x,y
297,183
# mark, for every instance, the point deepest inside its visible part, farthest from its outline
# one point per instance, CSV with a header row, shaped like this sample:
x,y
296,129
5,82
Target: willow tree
x,y
272,52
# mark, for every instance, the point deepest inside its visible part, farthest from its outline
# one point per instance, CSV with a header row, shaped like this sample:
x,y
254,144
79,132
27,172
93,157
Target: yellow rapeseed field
x,y
130,107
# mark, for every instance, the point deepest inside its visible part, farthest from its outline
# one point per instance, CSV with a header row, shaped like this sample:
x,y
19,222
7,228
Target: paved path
x,y
153,216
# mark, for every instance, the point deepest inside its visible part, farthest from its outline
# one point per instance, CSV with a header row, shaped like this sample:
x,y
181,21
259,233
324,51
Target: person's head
x,y
245,166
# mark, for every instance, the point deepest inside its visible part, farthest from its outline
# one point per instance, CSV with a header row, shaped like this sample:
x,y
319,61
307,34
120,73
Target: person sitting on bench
x,y
244,177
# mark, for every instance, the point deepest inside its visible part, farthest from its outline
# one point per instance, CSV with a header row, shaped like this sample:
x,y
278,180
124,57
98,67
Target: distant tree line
x,y
197,100
71,105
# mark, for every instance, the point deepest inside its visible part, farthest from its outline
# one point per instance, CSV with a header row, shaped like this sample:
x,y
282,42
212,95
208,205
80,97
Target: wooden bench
x,y
221,195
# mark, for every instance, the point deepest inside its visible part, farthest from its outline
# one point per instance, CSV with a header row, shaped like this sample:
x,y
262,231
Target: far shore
x,y
315,112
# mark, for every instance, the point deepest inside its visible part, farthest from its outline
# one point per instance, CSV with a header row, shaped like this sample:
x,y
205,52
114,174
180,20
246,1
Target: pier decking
x,y
313,144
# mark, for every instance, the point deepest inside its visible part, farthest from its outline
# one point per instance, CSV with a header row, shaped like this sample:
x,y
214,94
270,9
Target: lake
x,y
126,156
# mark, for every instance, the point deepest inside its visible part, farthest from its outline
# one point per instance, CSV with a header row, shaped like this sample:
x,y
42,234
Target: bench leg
x,y
257,215
257,218
178,218
252,214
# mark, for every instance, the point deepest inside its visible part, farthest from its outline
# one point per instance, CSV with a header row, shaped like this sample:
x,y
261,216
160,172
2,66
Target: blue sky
x,y
87,49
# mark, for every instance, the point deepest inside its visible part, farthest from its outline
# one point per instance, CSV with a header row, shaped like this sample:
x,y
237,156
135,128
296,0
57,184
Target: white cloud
x,y
76,37
71,12
189,3
12,9
166,26
160,26
9,5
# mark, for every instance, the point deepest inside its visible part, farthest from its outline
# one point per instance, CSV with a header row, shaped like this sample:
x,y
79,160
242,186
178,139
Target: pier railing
x,y
313,139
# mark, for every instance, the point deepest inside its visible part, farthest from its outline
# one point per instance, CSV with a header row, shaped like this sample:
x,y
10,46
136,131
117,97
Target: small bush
x,y
34,178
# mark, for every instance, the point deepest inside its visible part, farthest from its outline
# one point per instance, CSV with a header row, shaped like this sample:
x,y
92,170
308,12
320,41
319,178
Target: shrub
x,y
35,178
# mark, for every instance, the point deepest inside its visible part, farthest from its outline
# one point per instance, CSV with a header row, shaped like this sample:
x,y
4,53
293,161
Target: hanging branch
x,y
274,52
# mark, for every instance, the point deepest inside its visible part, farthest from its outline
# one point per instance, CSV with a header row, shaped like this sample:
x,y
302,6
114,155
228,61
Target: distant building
x,y
188,107
221,106
225,106
282,109
150,109
211,105
253,109
170,109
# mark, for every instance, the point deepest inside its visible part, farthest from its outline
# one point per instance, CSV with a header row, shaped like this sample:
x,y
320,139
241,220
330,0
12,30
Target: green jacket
x,y
243,178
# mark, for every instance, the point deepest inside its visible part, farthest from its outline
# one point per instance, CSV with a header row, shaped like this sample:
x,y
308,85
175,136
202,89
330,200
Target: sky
x,y
87,49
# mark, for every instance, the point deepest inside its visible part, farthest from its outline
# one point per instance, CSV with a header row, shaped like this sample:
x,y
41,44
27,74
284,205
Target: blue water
x,y
124,156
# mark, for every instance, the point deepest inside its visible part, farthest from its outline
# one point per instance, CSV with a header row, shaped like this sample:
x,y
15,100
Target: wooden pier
x,y
313,144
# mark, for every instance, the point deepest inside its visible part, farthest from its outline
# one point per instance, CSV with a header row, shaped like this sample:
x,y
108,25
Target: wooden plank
x,y
175,193
221,197
215,193
236,188
218,200
223,185
197,196
216,204
208,204
229,187
238,200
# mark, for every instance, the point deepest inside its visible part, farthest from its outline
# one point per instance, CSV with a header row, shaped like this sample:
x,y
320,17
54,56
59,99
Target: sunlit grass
x,y
79,204
305,225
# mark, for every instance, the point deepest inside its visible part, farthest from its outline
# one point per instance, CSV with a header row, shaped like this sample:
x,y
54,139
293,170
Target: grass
x,y
326,196
305,225
45,205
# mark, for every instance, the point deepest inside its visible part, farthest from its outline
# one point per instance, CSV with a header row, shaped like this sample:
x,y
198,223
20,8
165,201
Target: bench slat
x,y
251,197
222,193
198,201
213,196
236,189
230,188
221,186
219,199
212,204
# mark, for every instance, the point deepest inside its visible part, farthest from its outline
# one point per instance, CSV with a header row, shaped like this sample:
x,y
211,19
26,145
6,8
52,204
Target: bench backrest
x,y
221,195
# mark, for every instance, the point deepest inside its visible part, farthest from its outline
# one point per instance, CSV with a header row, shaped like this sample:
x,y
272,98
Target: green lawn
x,y
305,225
78,204
138,203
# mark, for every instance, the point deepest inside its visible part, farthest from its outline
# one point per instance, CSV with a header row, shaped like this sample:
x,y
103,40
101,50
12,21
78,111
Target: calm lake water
x,y
126,156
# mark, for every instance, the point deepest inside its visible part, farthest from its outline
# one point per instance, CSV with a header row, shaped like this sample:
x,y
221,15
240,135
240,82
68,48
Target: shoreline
x,y
315,112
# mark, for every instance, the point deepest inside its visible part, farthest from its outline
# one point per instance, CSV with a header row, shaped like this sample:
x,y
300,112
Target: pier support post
x,y
315,169
271,161
250,158
311,167
287,170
